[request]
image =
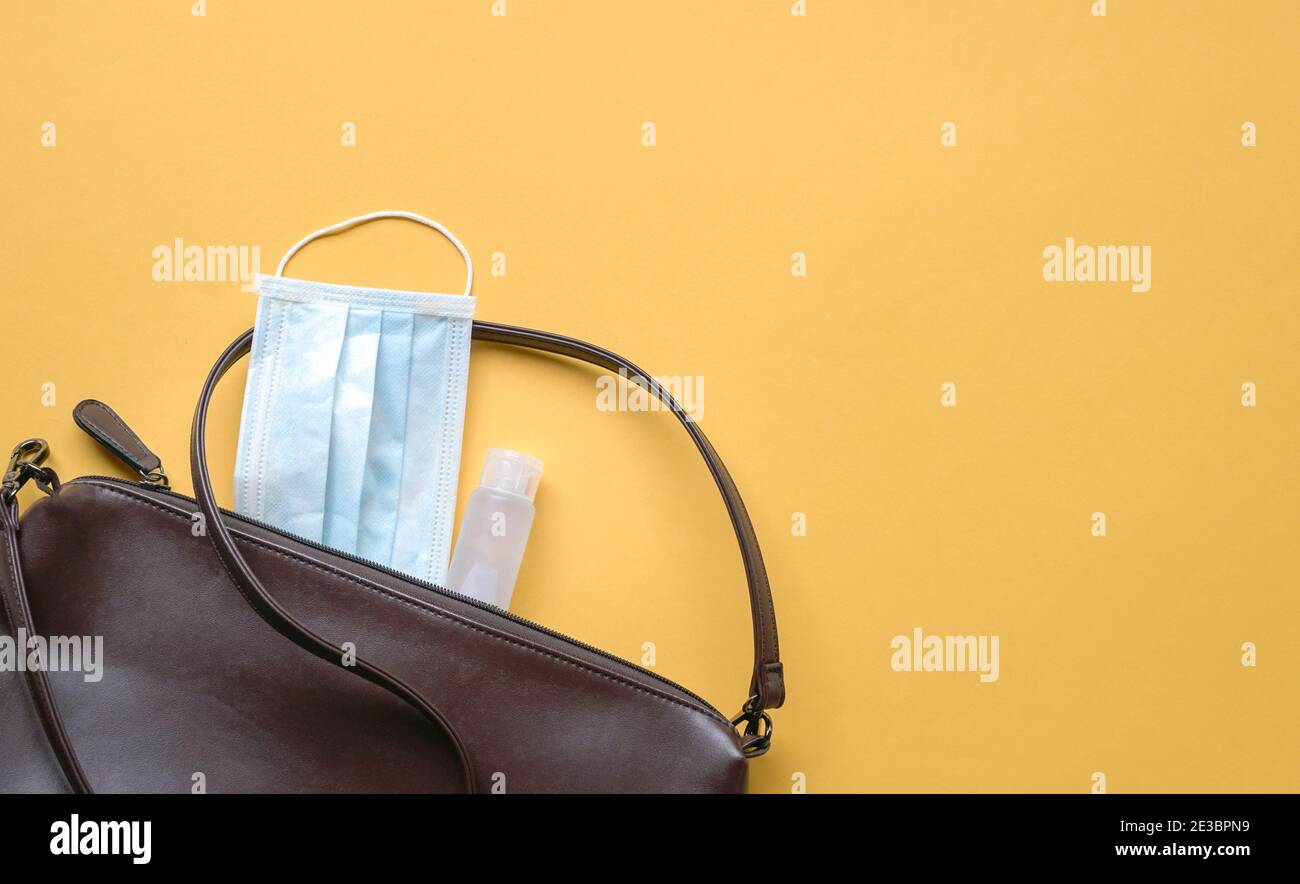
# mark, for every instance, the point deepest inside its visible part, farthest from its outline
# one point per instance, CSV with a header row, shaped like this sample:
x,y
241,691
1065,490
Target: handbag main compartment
x,y
196,684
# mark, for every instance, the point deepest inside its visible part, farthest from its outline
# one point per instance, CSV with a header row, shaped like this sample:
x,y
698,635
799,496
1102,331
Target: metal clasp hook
x,y
755,741
25,463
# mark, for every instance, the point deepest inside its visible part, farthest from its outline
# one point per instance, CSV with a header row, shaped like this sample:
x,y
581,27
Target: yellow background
x,y
775,134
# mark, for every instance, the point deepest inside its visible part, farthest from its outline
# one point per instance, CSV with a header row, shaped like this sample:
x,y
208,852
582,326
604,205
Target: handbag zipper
x,y
432,587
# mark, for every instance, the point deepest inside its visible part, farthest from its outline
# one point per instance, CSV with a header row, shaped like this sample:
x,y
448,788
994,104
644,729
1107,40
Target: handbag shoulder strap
x,y
767,684
17,611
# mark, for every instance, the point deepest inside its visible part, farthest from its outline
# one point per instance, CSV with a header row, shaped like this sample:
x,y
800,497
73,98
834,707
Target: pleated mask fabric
x,y
354,412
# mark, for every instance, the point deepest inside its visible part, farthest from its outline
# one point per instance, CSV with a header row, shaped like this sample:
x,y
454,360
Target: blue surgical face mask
x,y
354,412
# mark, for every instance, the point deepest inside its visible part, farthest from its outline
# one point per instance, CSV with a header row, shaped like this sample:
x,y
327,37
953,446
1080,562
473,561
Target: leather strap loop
x,y
767,684
256,594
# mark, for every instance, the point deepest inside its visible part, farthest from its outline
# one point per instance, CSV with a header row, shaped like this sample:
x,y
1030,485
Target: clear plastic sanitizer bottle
x,y
495,528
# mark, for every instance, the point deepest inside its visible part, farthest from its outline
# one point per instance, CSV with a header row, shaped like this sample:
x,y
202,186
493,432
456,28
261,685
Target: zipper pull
x,y
108,429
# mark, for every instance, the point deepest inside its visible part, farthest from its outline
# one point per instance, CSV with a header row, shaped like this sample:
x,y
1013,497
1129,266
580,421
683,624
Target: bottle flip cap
x,y
512,472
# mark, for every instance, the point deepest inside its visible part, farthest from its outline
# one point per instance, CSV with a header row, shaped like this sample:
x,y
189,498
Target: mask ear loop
x,y
373,216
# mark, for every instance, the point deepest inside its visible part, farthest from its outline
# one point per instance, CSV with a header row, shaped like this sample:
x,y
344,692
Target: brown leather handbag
x,y
279,665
